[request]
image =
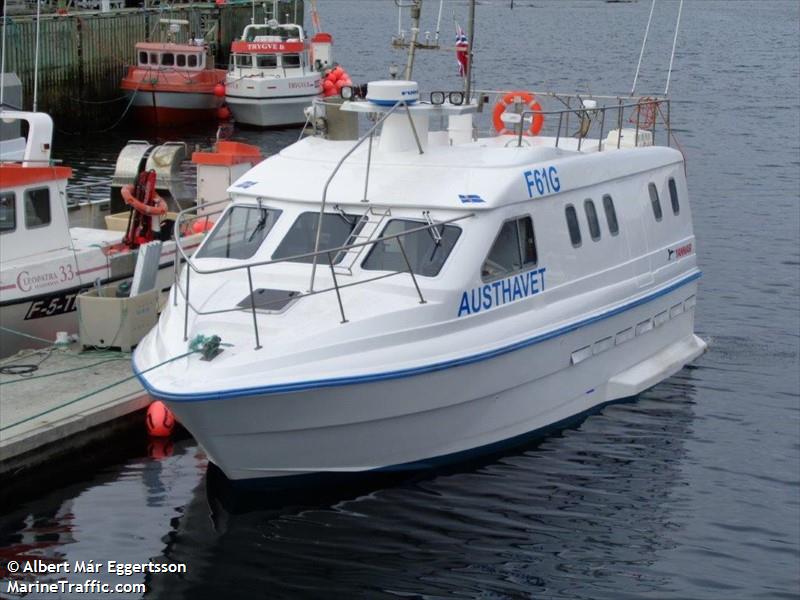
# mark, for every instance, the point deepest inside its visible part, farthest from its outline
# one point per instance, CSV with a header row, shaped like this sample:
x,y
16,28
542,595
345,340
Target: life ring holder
x,y
513,98
156,210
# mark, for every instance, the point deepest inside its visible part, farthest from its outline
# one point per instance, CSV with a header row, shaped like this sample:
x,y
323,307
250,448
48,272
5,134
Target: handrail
x,y
329,252
347,154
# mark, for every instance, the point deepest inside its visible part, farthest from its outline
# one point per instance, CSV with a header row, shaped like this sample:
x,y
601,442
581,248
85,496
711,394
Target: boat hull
x,y
395,421
172,109
270,111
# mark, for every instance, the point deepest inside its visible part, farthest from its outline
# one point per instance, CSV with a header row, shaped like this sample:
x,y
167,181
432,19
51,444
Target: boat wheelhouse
x,y
419,294
174,84
275,73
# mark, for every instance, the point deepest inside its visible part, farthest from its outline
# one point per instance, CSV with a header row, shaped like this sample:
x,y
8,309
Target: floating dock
x,y
72,399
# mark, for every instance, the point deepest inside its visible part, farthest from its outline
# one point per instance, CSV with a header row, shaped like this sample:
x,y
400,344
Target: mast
x,y
416,9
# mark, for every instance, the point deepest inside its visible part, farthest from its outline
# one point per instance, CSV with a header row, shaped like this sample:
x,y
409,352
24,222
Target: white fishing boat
x,y
419,295
45,262
275,73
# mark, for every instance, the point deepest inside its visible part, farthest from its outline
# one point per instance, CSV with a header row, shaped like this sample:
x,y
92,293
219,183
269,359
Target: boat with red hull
x,y
173,84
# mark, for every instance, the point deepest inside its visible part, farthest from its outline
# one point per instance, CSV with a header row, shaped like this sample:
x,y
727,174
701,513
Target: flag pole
x,y
468,84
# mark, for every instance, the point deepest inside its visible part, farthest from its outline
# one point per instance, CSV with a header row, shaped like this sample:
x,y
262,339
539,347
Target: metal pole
x,y
602,128
641,54
3,57
253,307
414,129
186,308
36,56
336,287
410,271
619,124
674,43
369,161
439,21
471,42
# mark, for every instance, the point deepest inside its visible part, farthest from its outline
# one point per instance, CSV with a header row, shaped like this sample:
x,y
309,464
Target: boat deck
x,y
51,412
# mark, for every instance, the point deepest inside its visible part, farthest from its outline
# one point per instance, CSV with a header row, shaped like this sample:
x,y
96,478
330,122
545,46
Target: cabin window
x,y
244,60
291,61
655,202
180,60
8,212
338,229
513,250
168,59
239,232
673,196
37,208
192,60
153,58
591,217
426,251
266,61
573,225
611,215
142,58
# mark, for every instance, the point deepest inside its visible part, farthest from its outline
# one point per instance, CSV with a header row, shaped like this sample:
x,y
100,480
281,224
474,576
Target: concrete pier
x,y
40,419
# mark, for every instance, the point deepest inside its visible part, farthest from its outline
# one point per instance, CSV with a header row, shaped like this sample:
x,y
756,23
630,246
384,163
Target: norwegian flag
x,y
462,51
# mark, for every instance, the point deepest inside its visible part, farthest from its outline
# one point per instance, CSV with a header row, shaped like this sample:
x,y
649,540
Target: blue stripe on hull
x,y
399,374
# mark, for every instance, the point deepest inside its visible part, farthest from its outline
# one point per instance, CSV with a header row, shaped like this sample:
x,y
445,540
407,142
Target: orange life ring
x,y
512,98
158,209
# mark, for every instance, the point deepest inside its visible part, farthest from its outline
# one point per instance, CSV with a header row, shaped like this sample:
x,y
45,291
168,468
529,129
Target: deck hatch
x,y
269,299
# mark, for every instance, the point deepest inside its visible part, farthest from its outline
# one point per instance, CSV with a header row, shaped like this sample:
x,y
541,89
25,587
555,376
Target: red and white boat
x,y
174,84
45,262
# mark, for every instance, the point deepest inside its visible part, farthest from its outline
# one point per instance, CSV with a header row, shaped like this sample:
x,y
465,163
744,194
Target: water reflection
x,y
591,505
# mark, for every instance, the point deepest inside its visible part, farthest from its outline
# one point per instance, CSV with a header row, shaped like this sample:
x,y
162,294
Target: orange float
x,y
160,420
513,98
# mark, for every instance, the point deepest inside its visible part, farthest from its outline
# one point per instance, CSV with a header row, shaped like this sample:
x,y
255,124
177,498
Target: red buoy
x,y
160,420
223,113
219,90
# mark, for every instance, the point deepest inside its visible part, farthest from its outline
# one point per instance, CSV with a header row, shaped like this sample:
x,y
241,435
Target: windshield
x,y
239,233
337,229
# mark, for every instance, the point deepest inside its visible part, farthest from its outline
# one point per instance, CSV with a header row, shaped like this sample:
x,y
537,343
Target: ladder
x,y
364,230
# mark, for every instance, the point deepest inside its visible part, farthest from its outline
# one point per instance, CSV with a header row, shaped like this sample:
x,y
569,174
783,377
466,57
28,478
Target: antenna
x,y
641,54
674,43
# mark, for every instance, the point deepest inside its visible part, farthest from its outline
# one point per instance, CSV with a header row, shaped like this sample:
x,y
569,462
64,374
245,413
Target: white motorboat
x,y
45,262
275,73
416,296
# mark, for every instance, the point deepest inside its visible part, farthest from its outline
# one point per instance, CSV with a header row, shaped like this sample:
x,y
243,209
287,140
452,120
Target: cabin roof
x,y
169,47
15,175
476,176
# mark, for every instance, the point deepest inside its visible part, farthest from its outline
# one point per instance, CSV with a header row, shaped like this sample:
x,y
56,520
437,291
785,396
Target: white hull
x,y
407,420
270,112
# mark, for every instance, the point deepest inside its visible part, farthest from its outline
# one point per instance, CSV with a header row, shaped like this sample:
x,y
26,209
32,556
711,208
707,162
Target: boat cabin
x,y
269,47
189,57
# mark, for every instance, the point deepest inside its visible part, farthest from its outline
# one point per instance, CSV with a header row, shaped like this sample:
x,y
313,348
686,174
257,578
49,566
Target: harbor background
x,y
691,491
83,55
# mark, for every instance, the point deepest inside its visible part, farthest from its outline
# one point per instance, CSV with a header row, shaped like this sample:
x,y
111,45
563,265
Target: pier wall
x,y
83,56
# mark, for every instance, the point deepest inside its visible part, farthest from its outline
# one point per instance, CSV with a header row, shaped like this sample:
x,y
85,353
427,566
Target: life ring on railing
x,y
153,210
513,98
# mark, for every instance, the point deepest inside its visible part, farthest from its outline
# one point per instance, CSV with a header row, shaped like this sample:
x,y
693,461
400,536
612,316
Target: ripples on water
x,y
692,491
